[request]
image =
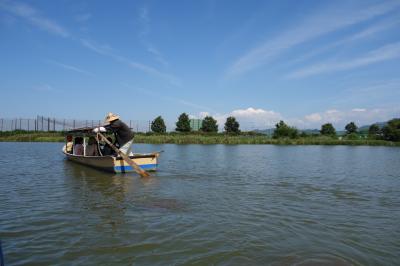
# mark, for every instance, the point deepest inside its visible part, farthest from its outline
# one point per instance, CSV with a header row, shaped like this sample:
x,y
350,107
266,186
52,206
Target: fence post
x,y
1,125
28,124
74,123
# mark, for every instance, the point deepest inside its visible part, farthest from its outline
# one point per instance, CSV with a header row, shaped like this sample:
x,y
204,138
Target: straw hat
x,y
111,117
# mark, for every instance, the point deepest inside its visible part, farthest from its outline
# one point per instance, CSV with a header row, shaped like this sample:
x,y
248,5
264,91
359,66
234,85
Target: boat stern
x,y
147,162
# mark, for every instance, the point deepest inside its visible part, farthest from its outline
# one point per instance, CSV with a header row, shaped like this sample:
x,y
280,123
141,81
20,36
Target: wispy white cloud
x,y
359,110
175,100
157,55
34,17
144,20
387,52
315,117
72,68
366,33
145,29
44,88
325,22
385,92
108,51
83,17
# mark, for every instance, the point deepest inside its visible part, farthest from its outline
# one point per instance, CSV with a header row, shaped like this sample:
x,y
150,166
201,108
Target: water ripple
x,y
208,205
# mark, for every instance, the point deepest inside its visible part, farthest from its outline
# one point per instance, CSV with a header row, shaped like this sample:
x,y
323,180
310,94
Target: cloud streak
x,y
316,26
83,17
170,99
361,35
72,68
109,52
31,15
144,21
387,52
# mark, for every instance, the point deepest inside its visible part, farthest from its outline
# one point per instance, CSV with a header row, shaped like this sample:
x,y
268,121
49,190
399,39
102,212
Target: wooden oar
x,y
126,158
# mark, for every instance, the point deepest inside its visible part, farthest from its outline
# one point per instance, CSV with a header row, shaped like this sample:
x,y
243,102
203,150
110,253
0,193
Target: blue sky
x,y
306,62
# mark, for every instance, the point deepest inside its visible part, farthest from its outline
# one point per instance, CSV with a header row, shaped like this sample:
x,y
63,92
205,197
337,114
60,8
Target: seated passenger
x,y
78,147
69,145
92,148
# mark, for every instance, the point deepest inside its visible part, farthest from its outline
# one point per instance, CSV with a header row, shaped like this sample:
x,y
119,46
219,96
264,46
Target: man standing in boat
x,y
123,133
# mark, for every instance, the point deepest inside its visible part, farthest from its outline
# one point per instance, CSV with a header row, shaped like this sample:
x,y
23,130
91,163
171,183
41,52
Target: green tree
x,y
231,125
158,125
183,124
351,128
209,124
328,130
374,132
392,130
304,134
282,130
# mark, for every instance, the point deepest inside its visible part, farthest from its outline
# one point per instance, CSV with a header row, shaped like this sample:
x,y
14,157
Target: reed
x,y
201,138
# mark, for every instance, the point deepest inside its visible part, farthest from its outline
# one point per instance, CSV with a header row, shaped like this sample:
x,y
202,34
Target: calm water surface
x,y
208,204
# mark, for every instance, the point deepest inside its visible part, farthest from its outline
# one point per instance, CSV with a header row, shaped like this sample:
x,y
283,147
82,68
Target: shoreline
x,y
204,139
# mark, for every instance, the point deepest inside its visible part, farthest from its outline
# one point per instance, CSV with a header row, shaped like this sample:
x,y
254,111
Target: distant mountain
x,y
366,127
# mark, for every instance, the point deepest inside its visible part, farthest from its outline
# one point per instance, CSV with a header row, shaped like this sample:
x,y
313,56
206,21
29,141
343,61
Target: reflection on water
x,y
208,204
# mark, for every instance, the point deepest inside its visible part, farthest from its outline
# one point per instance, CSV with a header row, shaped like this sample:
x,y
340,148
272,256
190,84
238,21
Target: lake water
x,y
208,204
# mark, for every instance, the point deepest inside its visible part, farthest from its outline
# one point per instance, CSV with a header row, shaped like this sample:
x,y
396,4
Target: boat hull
x,y
113,164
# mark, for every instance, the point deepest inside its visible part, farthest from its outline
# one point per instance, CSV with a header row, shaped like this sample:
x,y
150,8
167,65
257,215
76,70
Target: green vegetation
x,y
283,134
158,125
232,126
209,125
203,138
32,136
391,131
351,128
328,130
183,124
374,132
284,131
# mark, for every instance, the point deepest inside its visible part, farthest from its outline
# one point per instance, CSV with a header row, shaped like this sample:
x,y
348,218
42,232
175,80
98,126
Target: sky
x,y
304,62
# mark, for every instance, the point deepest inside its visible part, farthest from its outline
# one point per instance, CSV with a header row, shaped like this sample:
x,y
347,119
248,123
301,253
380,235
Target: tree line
x,y
390,132
209,124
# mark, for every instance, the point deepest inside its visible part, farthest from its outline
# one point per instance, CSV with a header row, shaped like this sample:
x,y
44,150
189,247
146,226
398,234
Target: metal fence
x,y
41,123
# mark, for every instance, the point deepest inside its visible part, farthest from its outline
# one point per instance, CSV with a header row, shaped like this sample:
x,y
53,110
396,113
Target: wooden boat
x,y
116,164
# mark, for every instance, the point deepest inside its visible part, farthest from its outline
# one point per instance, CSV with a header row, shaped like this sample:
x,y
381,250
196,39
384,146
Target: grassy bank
x,y
31,136
193,138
